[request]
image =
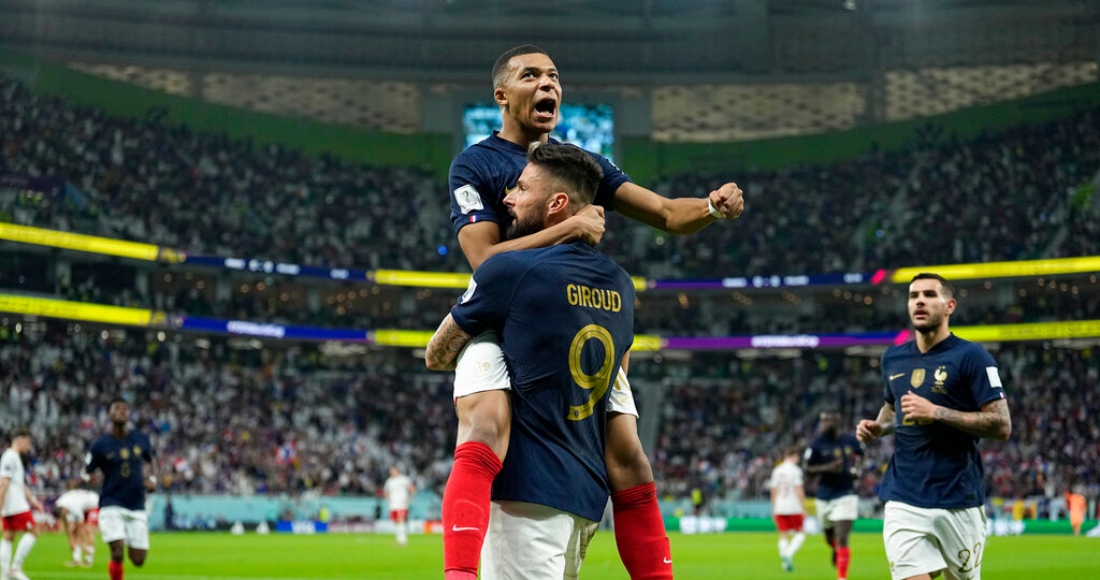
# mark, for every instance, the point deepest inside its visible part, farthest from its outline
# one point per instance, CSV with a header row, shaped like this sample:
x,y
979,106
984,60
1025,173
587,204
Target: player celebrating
x,y
398,489
16,511
951,396
77,511
126,459
835,458
528,91
788,499
566,317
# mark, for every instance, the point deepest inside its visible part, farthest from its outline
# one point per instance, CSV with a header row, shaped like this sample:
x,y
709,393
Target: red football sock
x,y
114,570
640,533
466,508
843,557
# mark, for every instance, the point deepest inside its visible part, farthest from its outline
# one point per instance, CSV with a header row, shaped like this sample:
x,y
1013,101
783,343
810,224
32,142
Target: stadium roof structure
x,y
642,42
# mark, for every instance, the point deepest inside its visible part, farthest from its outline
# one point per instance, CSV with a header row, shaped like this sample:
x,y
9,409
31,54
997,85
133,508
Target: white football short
x,y
480,367
924,541
842,509
534,542
118,523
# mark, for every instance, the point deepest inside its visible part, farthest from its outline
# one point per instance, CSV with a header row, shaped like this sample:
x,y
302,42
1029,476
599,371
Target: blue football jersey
x,y
825,450
565,315
121,461
936,465
483,174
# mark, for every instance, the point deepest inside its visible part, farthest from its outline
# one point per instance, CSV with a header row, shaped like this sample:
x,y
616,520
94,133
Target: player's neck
x,y
521,136
927,340
119,432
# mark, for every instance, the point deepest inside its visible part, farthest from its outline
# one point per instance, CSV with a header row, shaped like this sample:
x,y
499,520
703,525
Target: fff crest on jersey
x,y
917,378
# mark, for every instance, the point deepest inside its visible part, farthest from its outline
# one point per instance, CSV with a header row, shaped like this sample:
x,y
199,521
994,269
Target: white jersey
x,y
78,501
11,467
786,479
397,492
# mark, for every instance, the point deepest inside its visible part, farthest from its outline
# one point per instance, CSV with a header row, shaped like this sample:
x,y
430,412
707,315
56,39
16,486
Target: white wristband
x,y
713,210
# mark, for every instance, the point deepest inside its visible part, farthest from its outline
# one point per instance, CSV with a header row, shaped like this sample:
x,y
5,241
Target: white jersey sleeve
x,y
15,500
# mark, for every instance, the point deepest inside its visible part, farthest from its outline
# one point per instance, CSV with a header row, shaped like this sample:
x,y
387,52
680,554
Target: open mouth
x,y
546,108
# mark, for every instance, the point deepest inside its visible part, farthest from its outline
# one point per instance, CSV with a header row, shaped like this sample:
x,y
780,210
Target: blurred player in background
x,y
125,457
1077,506
835,458
16,511
788,506
566,317
398,490
77,511
951,396
527,89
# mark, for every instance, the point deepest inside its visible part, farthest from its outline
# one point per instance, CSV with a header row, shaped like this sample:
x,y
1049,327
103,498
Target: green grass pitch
x,y
375,557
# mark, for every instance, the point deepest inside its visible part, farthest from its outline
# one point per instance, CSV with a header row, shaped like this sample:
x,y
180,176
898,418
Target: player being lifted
x,y
527,88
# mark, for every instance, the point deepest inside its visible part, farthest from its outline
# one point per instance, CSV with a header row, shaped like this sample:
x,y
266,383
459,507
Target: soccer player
x,y
1077,506
125,457
565,317
527,89
398,489
788,501
834,456
16,511
77,511
951,396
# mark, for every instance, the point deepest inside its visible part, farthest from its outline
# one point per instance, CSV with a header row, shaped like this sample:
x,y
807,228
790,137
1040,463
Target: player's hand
x,y
589,224
728,200
150,484
37,504
868,430
916,408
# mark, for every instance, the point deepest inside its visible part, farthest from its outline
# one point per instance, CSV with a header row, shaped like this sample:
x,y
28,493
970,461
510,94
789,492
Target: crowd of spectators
x,y
1002,196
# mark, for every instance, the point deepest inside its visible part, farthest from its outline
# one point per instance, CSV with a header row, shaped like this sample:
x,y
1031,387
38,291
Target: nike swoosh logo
x,y
458,529
668,560
892,377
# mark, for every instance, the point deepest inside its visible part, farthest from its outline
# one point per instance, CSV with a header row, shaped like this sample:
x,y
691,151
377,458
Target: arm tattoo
x,y
992,422
886,419
446,343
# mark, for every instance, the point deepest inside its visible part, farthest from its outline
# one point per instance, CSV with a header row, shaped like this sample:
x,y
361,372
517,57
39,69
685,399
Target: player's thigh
x,y
962,539
622,396
909,534
112,524
526,541
137,531
480,367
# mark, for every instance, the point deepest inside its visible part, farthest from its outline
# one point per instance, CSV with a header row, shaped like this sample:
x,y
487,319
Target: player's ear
x,y
500,96
558,202
949,308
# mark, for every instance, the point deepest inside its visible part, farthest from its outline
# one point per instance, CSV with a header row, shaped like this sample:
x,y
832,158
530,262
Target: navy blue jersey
x,y
825,450
121,461
936,465
481,176
565,315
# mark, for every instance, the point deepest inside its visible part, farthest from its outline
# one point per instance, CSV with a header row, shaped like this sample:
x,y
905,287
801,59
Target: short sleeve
x,y
484,304
7,466
613,178
468,188
984,377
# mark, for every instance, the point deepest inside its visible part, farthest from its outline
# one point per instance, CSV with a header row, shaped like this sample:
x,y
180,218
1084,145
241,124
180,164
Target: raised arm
x,y
992,422
683,215
445,345
481,240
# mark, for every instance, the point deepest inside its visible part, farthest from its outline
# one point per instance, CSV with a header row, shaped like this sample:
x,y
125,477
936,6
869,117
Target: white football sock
x,y
22,550
795,544
5,557
783,543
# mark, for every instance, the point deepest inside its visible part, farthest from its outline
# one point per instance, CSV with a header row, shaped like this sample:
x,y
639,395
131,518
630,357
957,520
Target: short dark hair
x,y
948,290
500,68
20,432
572,166
118,400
